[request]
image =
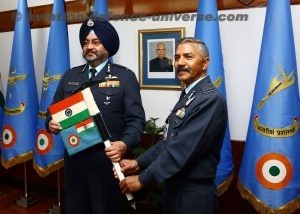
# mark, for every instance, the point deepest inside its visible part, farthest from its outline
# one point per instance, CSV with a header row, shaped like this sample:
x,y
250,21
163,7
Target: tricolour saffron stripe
x,y
65,103
84,125
76,109
88,130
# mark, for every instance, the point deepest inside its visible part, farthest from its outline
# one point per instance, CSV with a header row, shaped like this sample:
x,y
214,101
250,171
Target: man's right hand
x,y
54,127
128,166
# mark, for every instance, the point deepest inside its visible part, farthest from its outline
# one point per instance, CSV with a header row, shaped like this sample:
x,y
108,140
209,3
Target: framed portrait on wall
x,y
156,58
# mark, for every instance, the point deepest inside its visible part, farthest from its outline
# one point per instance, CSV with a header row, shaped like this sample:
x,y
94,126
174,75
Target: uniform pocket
x,y
109,91
108,97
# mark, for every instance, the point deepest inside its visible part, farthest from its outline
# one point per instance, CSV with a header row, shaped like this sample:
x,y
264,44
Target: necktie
x,y
182,95
93,73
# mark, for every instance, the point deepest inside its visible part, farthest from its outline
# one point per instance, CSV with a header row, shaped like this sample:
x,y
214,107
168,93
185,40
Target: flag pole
x,y
57,208
25,200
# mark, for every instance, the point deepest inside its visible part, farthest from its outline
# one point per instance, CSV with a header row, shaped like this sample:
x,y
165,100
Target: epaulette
x,y
119,66
208,89
79,66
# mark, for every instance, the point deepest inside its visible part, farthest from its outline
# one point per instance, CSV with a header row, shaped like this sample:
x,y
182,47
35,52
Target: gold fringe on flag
x,y
43,172
225,185
16,160
261,207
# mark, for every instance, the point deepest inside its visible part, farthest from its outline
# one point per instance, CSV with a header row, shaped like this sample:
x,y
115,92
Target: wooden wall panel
x,y
76,10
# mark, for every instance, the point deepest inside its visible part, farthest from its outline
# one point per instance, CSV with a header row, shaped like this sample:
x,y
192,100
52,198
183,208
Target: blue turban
x,y
105,32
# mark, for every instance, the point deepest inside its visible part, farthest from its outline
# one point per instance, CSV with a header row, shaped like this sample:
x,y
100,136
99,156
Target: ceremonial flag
x,y
2,100
101,9
75,116
70,111
269,176
81,136
49,151
74,109
209,33
21,105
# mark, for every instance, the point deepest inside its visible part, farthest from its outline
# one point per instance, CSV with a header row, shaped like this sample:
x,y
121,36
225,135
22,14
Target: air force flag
x,y
81,136
269,175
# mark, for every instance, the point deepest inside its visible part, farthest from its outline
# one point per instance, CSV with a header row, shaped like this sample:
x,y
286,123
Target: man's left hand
x,y
116,150
130,184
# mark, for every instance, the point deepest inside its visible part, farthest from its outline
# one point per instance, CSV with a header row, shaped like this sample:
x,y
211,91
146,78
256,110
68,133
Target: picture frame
x,y
156,58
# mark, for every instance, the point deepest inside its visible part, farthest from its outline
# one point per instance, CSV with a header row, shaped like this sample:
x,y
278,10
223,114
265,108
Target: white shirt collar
x,y
187,89
99,67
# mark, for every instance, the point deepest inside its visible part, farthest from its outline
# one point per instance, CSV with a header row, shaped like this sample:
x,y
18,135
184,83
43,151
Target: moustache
x,y
88,52
183,68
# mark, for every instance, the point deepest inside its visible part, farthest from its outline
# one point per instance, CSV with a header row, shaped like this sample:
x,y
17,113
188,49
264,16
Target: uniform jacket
x,y
192,148
118,98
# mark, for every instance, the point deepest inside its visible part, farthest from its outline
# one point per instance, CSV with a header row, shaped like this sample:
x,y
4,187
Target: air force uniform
x,y
118,98
186,160
89,180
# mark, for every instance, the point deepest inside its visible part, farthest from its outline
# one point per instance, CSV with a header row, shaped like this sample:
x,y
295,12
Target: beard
x,y
93,56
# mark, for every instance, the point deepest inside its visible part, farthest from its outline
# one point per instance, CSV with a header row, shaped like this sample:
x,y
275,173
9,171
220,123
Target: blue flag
x,y
269,175
209,33
21,106
2,101
81,136
101,9
49,152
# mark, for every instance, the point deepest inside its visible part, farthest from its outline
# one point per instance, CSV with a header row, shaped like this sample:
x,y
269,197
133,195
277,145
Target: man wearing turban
x,y
89,180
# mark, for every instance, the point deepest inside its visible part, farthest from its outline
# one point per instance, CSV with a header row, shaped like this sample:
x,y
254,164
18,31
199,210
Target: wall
x,y
240,43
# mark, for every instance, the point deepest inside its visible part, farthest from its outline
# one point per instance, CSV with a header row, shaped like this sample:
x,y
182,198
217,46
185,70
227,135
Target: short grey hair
x,y
202,48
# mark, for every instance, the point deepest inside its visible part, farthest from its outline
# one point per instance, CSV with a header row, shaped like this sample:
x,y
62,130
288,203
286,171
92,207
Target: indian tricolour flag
x,y
74,109
85,127
81,136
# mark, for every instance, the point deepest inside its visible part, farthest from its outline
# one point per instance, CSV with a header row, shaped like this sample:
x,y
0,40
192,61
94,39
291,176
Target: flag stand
x,y
57,208
25,201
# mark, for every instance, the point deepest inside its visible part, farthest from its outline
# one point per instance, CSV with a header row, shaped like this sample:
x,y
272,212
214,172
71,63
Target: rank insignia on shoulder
x,y
120,66
208,89
110,84
73,83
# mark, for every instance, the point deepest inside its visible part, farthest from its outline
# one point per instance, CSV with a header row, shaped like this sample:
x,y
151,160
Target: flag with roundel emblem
x,y
21,101
209,33
269,176
81,136
49,150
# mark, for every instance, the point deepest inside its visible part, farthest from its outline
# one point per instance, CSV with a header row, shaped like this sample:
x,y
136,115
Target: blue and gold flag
x,y
269,176
208,32
49,151
2,101
101,10
21,106
81,136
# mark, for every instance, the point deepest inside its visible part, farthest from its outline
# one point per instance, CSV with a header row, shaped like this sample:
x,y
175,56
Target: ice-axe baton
x,y
106,138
